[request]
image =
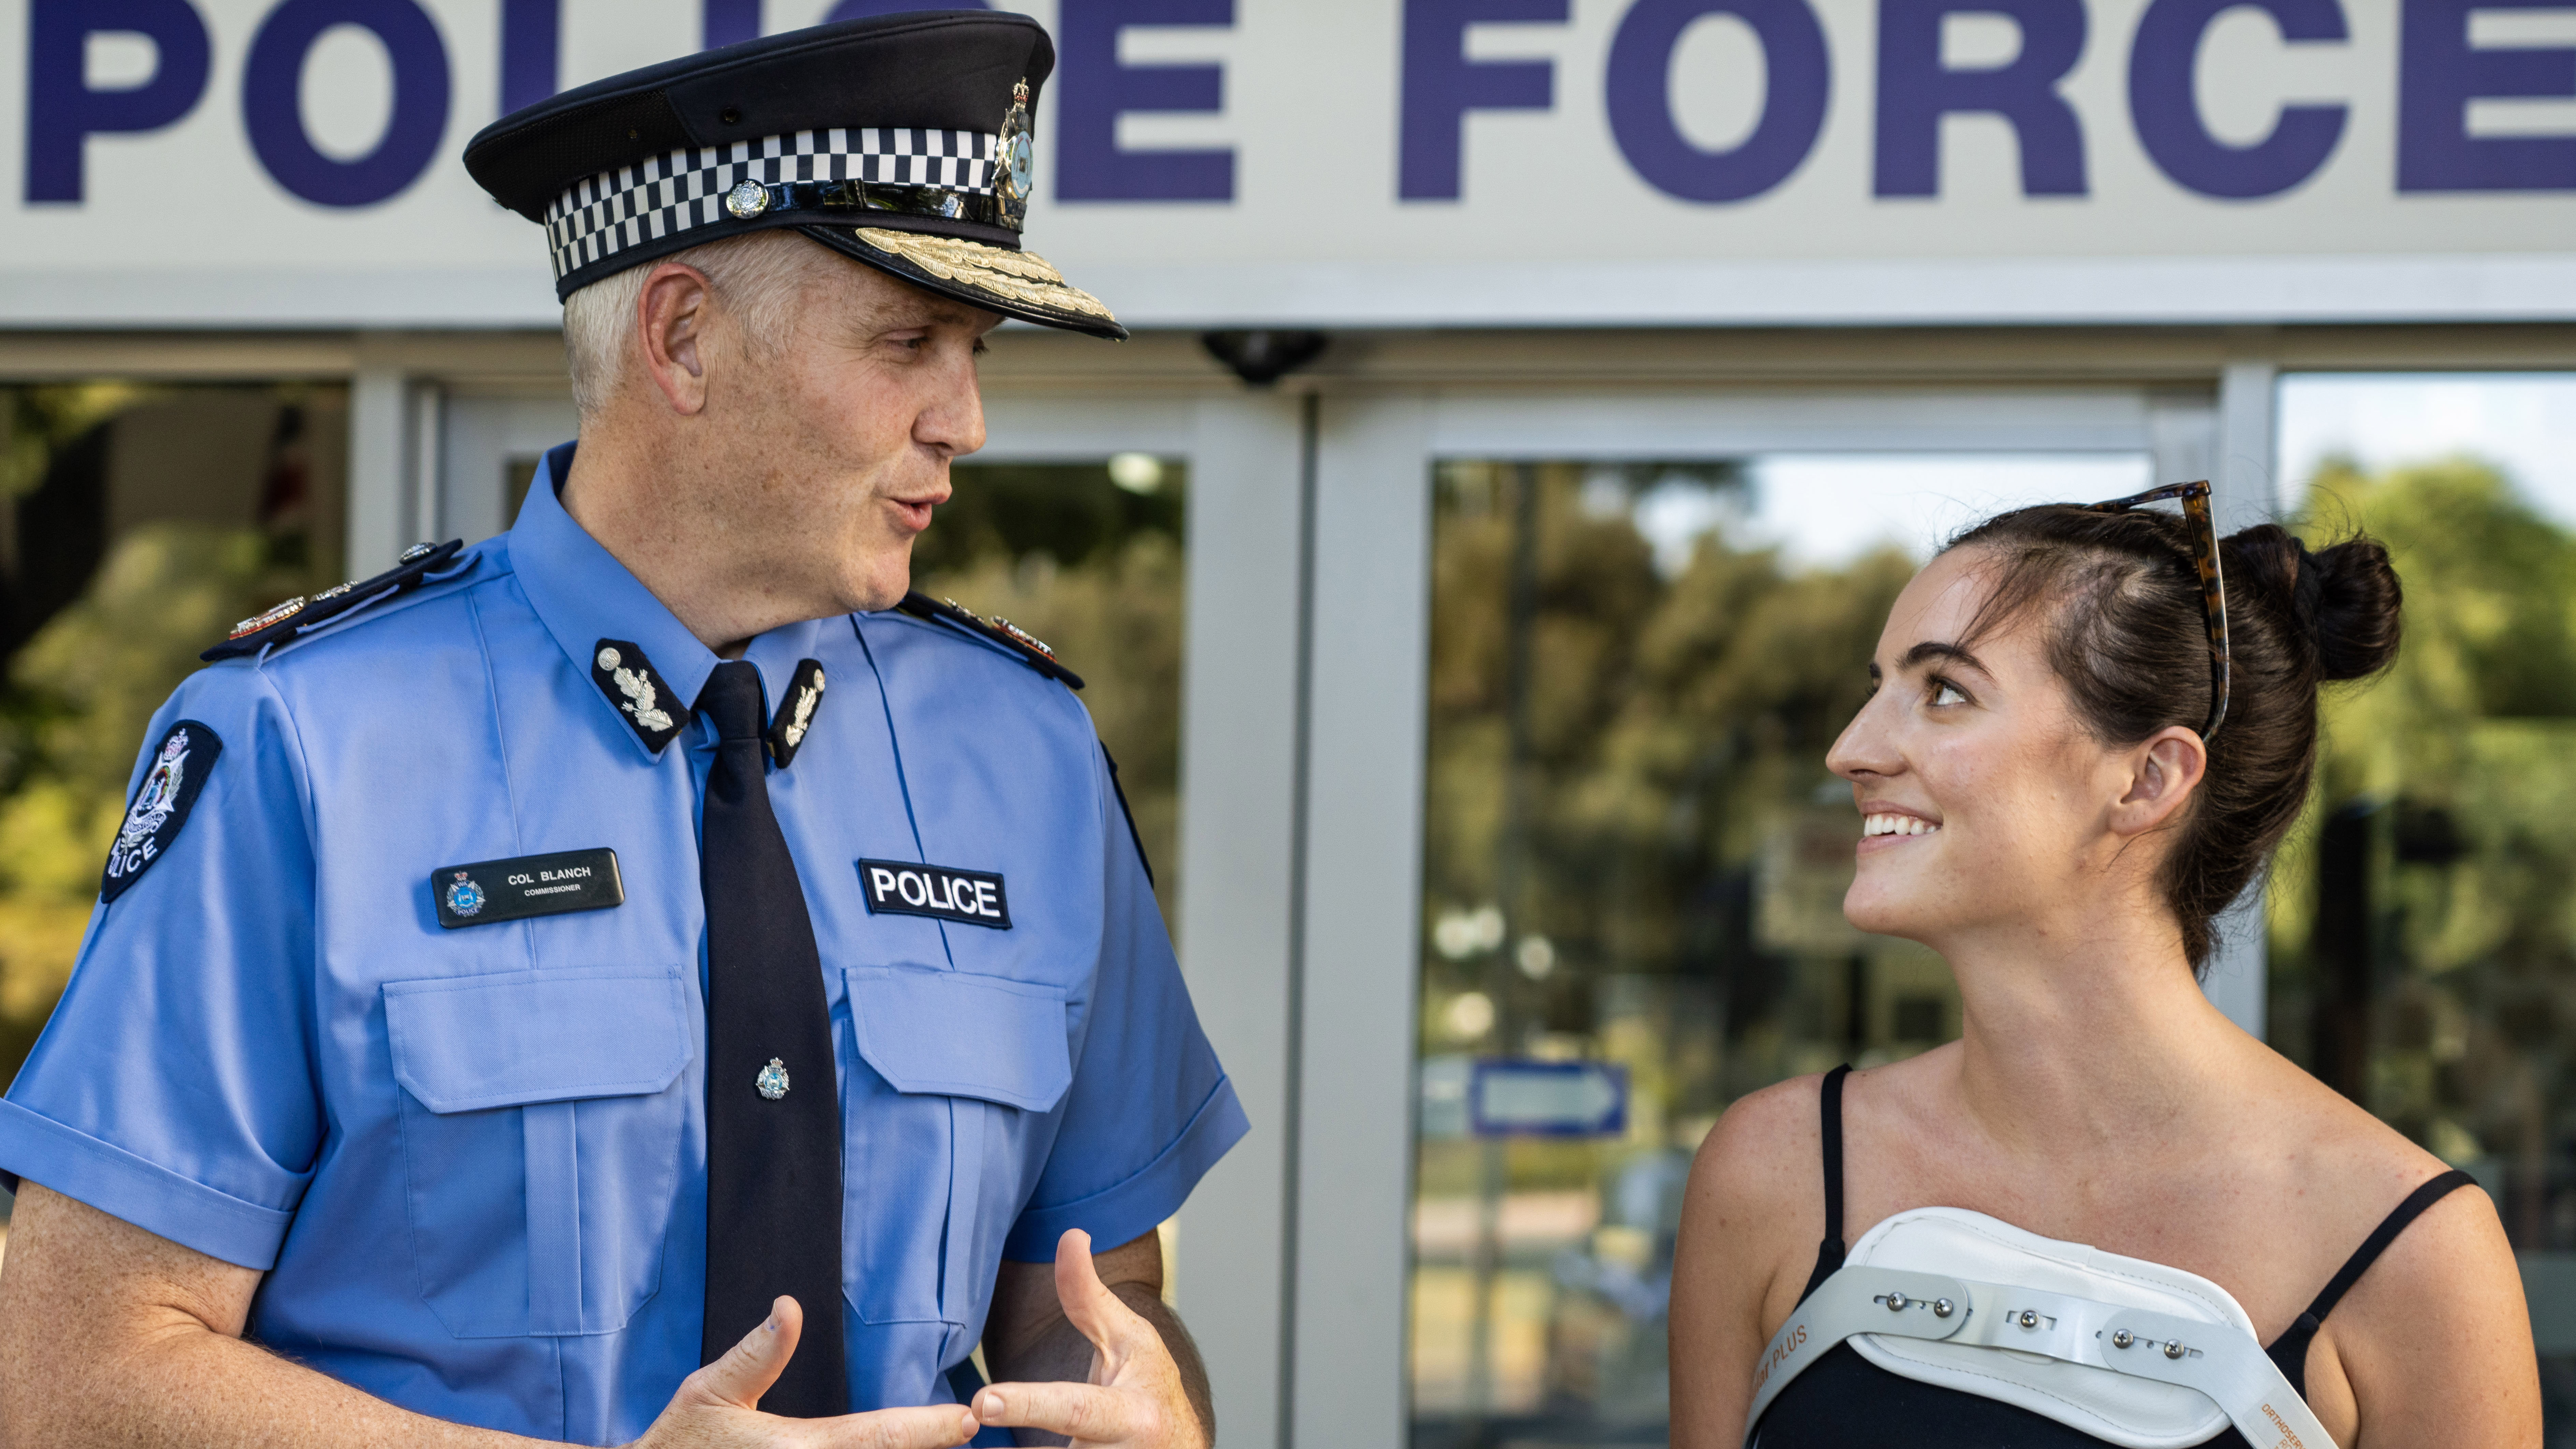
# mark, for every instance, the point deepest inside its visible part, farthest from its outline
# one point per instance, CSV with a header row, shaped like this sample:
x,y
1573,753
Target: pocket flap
x,y
961,1035
465,1043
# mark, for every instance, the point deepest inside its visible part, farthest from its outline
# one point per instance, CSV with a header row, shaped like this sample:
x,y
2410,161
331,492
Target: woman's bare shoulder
x,y
2350,1168
2432,1344
1750,1223
1753,1211
1767,1148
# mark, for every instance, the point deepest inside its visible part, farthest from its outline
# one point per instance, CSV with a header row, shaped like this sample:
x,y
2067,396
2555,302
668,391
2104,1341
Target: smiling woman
x,y
2060,792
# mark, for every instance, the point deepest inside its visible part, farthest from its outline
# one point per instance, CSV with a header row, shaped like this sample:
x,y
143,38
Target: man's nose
x,y
954,421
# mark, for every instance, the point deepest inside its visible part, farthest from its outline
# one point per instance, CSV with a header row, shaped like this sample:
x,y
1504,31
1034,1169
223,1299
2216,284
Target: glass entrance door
x,y
1634,863
2423,958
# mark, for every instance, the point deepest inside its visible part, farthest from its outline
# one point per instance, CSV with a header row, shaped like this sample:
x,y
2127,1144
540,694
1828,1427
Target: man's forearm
x,y
191,1388
1061,1354
105,1338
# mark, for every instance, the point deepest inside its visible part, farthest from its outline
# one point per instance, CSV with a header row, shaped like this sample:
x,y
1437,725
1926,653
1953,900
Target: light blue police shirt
x,y
472,1161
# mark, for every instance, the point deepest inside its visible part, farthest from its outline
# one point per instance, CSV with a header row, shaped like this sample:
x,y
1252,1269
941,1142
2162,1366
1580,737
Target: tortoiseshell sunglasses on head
x,y
2213,585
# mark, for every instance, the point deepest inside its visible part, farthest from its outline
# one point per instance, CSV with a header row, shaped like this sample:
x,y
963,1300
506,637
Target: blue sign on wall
x,y
1515,1098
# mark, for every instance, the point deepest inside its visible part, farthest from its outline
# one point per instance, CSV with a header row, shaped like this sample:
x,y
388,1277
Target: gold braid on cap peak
x,y
1021,276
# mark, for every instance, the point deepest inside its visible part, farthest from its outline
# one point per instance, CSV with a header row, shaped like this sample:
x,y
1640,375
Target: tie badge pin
x,y
772,1081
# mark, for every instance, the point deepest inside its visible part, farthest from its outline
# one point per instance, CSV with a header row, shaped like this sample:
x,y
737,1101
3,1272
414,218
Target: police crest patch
x,y
161,804
464,897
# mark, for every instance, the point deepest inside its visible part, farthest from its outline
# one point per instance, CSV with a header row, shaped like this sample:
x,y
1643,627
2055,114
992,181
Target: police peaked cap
x,y
902,141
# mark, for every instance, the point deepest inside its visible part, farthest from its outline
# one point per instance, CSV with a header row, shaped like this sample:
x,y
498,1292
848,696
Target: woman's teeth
x,y
1895,825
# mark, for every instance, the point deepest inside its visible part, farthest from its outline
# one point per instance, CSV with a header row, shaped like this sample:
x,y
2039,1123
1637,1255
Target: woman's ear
x,y
2167,768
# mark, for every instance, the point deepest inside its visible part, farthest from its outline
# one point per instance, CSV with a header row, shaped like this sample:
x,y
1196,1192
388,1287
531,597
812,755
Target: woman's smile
x,y
1891,828
1884,829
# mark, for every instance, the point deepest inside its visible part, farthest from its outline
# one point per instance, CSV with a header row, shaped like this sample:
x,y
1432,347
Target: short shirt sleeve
x,y
173,1086
1150,1110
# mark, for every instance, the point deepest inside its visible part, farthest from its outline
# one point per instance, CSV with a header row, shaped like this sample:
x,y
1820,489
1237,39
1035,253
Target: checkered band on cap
x,y
665,195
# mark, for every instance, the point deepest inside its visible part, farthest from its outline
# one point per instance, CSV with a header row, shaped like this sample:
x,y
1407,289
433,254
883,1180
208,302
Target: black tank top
x,y
1845,1399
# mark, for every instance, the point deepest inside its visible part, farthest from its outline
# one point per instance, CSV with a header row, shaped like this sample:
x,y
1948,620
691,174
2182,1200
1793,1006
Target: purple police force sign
x,y
1698,142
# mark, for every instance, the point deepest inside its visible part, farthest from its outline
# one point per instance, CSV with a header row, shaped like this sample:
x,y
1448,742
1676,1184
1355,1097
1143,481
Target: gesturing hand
x,y
716,1407
1135,1399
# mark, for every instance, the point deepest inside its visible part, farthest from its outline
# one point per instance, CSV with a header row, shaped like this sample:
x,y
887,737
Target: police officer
x,y
647,976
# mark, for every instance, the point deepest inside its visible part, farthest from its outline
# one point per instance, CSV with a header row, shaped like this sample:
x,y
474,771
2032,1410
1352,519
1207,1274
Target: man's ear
x,y
671,315
2167,768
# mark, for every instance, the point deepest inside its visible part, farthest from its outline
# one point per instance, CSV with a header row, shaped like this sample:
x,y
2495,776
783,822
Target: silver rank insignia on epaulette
x,y
280,613
1010,636
1006,626
409,572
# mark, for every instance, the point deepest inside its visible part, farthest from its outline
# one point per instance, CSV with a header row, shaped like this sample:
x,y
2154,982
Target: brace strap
x,y
2220,1361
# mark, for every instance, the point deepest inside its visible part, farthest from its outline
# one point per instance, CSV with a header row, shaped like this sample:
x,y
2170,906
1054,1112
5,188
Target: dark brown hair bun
x,y
2359,599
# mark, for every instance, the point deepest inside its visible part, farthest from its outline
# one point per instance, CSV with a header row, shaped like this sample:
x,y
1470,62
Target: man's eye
x,y
1944,692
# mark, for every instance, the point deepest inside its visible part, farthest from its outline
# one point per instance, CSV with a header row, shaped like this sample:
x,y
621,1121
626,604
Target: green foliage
x,y
1675,737
79,697
2473,994
1071,513
1115,619
37,422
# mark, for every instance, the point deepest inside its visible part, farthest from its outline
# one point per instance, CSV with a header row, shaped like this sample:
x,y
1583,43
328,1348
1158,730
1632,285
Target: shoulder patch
x,y
160,806
300,616
1019,641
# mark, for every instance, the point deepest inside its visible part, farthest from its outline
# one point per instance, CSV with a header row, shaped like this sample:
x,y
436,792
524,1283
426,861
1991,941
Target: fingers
x,y
936,1427
737,1380
747,1369
1077,1411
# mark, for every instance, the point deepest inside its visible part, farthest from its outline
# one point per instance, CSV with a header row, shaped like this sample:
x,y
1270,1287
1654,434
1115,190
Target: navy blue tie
x,y
773,1100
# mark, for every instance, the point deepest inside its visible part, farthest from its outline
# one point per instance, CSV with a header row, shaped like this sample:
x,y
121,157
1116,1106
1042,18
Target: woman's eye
x,y
1944,692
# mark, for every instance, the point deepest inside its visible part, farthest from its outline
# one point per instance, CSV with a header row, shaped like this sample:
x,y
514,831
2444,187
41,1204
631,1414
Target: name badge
x,y
968,897
524,886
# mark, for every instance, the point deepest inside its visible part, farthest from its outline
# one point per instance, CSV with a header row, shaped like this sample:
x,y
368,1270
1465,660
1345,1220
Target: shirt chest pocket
x,y
953,1114
543,1115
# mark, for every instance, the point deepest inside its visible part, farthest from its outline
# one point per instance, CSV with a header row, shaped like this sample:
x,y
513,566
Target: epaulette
x,y
1019,641
300,616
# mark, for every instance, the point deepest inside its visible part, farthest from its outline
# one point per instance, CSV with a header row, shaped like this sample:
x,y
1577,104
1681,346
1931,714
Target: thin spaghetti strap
x,y
1829,1253
2290,1351
1832,1114
2386,1233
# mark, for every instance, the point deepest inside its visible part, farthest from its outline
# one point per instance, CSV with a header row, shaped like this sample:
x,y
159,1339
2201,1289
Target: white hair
x,y
760,279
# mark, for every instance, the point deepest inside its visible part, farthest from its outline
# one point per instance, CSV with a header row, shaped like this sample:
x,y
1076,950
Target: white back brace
x,y
2131,1352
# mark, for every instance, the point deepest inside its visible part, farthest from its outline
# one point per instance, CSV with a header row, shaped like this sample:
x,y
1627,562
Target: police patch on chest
x,y
160,806
944,892
524,886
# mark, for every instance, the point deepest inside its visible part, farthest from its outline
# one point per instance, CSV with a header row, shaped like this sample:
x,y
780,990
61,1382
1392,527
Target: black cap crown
x,y
903,141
